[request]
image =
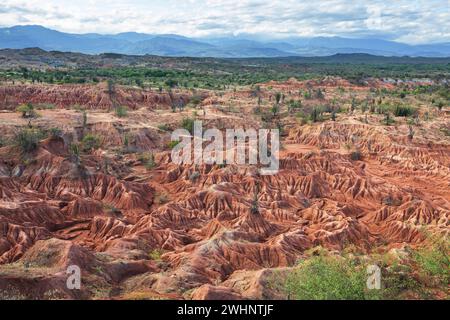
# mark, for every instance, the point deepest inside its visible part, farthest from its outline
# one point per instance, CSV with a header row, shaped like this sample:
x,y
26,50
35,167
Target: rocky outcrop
x,y
87,96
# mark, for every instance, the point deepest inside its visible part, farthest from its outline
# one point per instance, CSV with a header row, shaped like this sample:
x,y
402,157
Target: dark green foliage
x,y
278,97
275,109
27,111
433,259
203,73
333,115
172,144
188,124
356,155
90,142
55,133
294,105
74,153
316,114
28,139
195,100
327,278
388,119
121,111
148,160
319,94
111,87
404,111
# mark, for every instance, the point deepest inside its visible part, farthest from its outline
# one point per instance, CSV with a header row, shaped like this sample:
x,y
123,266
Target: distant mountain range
x,y
19,37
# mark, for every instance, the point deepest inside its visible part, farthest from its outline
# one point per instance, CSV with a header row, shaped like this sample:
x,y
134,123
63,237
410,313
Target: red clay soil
x,y
88,96
162,233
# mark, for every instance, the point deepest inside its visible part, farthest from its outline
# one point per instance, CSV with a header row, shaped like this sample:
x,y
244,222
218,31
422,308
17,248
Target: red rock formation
x,y
91,97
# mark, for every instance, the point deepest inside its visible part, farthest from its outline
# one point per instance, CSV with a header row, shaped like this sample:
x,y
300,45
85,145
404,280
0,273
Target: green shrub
x,y
278,97
275,109
89,142
155,254
434,261
294,104
74,152
195,100
55,133
388,119
316,115
45,106
172,144
327,278
163,127
404,111
188,124
3,142
27,111
121,111
356,155
398,281
161,198
28,139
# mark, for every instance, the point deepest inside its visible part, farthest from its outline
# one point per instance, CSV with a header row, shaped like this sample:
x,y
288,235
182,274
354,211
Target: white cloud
x,y
410,21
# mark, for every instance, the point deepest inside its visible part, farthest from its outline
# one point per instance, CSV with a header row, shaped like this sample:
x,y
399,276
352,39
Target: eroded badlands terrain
x,y
140,226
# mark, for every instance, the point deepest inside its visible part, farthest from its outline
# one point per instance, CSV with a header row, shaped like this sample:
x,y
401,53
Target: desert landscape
x,y
86,179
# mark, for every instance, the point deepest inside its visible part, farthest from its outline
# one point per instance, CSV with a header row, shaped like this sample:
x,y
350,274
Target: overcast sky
x,y
420,21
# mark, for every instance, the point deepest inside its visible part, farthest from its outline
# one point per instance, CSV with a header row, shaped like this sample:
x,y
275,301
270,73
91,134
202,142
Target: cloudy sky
x,y
410,21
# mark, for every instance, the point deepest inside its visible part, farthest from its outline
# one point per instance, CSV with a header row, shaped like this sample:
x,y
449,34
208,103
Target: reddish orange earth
x,y
171,231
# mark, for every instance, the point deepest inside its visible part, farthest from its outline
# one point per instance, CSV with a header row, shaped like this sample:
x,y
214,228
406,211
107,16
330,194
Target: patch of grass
x,y
121,111
90,142
404,111
172,144
150,164
188,124
27,110
147,159
45,106
316,115
28,139
161,198
155,254
55,133
141,295
433,260
388,120
163,127
111,209
445,131
327,277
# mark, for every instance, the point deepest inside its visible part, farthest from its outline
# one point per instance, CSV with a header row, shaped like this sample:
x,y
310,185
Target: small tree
x,y
111,87
353,105
387,118
150,163
188,124
27,110
74,153
275,109
319,94
410,132
254,208
55,133
316,115
90,142
28,139
278,97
